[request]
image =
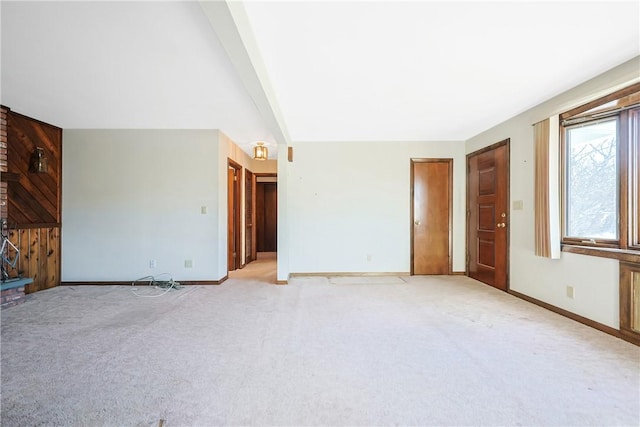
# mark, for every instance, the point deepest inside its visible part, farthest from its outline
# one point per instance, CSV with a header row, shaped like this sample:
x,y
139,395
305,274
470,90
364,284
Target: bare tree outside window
x,y
592,181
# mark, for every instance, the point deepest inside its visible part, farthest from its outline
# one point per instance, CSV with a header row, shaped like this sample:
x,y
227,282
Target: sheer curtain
x,y
547,188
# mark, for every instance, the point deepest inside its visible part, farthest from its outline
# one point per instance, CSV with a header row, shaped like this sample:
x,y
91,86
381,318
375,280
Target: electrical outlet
x,y
570,292
203,210
152,263
188,263
368,257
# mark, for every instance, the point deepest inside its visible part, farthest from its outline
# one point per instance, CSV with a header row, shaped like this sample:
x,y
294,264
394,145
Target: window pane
x,y
592,181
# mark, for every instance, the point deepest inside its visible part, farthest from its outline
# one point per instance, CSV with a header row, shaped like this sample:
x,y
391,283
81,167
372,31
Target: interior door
x,y
233,215
487,215
267,216
431,216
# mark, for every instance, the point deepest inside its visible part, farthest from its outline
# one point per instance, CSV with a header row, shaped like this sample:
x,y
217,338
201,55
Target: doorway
x,y
234,173
487,215
431,216
257,245
266,212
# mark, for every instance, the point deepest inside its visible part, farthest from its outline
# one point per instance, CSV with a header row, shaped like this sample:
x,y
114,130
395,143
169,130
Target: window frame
x,y
633,161
587,240
625,108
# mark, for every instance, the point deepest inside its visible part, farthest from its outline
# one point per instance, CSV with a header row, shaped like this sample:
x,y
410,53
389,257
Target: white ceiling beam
x,y
230,23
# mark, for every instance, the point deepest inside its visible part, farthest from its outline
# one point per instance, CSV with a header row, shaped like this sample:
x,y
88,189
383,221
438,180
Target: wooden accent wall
x,y
3,162
33,199
39,256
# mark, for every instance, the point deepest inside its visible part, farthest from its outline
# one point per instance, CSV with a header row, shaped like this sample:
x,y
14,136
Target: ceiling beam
x,y
230,23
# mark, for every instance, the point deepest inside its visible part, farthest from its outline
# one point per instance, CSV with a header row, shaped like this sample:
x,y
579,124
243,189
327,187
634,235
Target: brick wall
x,y
11,297
3,162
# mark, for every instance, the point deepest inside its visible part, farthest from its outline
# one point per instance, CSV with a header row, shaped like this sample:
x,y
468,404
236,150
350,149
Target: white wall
x,y
134,195
349,200
129,196
595,279
224,151
284,215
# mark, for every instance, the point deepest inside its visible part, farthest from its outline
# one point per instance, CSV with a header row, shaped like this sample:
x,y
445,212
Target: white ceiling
x,y
340,71
346,71
123,65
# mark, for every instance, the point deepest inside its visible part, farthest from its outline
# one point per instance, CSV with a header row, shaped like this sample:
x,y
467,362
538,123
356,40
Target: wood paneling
x,y
630,301
3,200
39,256
34,198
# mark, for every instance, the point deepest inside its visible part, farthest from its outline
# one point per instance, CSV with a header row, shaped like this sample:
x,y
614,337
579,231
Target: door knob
x,y
416,222
501,225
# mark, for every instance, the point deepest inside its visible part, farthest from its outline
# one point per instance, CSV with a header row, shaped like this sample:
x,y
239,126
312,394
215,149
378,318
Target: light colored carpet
x,y
366,280
419,351
263,269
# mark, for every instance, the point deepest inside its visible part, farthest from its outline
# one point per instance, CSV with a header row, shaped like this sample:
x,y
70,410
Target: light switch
x,y
203,210
517,205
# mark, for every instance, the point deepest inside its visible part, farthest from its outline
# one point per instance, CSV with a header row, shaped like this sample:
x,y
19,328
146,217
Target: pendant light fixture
x,y
260,151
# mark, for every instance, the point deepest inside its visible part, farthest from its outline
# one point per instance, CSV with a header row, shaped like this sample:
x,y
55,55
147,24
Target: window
x,y
600,172
592,181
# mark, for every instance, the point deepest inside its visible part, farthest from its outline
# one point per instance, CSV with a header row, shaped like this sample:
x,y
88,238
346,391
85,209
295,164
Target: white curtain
x,y
547,188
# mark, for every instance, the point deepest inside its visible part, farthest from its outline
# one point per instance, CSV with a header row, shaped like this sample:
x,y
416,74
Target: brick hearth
x,y
12,292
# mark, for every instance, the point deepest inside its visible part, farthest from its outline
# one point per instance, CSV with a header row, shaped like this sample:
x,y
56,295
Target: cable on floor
x,y
167,285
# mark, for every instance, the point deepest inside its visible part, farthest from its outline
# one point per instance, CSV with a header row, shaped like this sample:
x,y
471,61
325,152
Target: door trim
x,y
257,176
505,142
235,231
449,161
249,230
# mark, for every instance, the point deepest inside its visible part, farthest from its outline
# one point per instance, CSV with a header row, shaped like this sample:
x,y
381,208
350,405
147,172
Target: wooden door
x,y
431,181
233,215
249,217
487,215
267,216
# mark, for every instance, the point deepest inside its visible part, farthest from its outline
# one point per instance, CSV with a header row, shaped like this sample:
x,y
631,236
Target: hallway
x,y
261,270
